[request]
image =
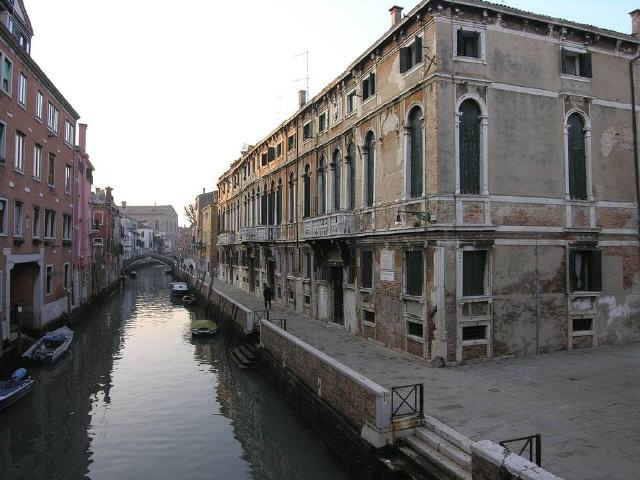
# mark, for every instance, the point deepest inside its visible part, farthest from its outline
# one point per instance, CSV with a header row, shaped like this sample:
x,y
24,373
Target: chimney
x,y
124,204
108,197
203,190
302,98
82,137
396,15
635,22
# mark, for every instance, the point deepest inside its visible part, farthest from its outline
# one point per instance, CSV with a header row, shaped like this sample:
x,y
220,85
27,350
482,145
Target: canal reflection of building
x,y
48,434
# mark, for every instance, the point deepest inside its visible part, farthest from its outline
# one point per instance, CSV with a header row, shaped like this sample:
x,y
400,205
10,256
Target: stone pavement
x,y
585,403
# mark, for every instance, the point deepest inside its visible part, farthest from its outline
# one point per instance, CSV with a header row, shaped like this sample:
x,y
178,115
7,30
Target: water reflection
x,y
138,398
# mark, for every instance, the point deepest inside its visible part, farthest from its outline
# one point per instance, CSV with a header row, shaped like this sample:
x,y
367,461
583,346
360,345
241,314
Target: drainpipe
x,y
635,136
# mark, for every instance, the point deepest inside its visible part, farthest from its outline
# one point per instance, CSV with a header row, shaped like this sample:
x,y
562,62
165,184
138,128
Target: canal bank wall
x,y
351,414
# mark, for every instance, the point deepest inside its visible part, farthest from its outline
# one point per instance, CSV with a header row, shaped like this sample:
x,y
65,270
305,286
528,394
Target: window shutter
x,y
477,44
404,65
372,84
572,270
595,282
418,50
365,89
459,49
585,65
564,60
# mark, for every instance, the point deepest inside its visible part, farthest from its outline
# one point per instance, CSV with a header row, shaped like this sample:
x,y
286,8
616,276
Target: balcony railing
x,y
332,225
266,233
247,234
227,238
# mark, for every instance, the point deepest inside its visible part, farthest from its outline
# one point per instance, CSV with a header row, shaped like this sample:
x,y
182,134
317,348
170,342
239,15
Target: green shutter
x,y
366,269
577,158
417,51
372,84
572,270
595,271
404,64
415,152
585,65
473,272
414,273
365,89
460,49
469,144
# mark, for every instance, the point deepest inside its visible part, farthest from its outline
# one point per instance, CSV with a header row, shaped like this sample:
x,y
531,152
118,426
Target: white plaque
x,y
386,266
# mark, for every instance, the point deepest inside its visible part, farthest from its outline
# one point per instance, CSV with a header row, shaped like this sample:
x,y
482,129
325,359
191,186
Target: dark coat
x,y
267,293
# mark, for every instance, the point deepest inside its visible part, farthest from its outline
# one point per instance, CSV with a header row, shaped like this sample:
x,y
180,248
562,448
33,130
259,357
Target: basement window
x,y
582,324
368,317
475,332
585,270
366,268
576,63
369,87
415,329
411,55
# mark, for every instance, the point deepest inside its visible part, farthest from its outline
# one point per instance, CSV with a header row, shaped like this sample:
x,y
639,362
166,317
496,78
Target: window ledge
x,y
370,99
479,298
576,78
366,289
415,339
471,343
585,293
368,324
460,58
583,333
350,114
412,70
413,298
18,171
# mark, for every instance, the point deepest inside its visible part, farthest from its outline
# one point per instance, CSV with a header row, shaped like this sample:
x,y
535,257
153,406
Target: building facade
x,y
465,189
130,237
206,239
106,243
82,220
37,151
161,218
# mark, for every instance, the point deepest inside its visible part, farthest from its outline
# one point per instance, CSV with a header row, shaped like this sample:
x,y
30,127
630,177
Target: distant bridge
x,y
130,263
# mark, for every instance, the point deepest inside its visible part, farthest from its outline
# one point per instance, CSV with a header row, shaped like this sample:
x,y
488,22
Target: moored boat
x,y
189,299
15,388
50,347
204,327
178,288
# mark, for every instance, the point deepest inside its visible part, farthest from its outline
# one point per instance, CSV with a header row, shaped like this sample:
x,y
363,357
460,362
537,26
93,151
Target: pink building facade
x,y
82,220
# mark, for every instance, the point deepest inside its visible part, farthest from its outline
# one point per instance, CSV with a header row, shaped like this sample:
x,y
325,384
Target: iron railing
x,y
407,401
531,442
259,315
280,322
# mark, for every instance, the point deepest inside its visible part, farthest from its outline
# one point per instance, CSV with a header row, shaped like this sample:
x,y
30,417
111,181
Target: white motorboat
x,y
50,347
178,289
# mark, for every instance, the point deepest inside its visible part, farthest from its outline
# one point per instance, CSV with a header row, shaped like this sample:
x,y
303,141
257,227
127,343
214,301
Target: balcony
x,y
227,238
266,233
338,224
247,234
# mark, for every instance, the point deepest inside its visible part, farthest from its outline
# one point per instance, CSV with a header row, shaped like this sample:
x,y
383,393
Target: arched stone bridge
x,y
130,263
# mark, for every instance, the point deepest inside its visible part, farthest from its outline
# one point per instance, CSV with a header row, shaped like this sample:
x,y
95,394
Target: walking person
x,y
267,293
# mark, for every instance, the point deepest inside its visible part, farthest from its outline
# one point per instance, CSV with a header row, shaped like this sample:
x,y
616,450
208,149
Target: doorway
x,y
338,295
252,274
271,273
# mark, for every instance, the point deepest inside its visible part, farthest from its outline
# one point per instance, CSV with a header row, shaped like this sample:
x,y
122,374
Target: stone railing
x,y
247,234
227,238
266,233
332,225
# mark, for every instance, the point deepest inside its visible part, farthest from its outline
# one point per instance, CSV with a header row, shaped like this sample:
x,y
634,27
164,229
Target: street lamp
x,y
423,216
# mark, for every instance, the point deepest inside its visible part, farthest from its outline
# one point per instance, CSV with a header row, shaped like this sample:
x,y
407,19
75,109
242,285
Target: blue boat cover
x,y
19,374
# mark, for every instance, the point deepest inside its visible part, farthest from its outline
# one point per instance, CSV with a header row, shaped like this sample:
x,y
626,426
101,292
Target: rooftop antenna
x,y
306,54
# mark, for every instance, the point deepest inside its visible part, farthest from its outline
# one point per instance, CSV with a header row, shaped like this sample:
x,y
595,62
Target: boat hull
x,y
10,395
39,352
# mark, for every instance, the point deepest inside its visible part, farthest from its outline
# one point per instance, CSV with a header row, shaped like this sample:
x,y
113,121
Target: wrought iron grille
x,y
280,322
532,443
407,401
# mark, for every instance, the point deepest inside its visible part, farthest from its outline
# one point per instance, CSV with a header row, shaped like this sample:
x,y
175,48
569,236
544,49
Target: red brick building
x,y
37,141
106,244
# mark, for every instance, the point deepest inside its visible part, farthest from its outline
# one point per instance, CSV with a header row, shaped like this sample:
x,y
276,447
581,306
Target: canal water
x,y
138,398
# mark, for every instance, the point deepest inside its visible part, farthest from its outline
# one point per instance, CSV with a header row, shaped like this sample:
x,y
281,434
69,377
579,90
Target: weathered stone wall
x,y
490,461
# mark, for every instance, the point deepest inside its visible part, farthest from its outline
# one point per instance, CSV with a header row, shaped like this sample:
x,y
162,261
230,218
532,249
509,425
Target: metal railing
x,y
280,322
258,316
407,401
531,442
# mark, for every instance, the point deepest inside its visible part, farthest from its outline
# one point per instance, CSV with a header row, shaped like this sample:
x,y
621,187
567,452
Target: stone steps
x,y
422,453
243,357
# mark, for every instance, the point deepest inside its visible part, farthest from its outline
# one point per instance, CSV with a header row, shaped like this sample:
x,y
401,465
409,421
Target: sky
x,y
171,91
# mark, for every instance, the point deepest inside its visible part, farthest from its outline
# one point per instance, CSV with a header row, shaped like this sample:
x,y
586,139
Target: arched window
x,y
307,192
292,198
415,146
469,142
369,166
337,169
577,157
279,203
351,179
322,198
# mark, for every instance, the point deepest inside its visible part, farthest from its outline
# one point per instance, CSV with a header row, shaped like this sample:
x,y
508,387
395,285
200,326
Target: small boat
x,y
204,327
15,388
133,274
189,299
178,288
50,347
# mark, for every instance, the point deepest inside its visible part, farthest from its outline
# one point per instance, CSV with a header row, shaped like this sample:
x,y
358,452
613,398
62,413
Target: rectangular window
x,y
52,170
35,225
322,122
411,55
369,86
49,279
69,136
271,154
307,264
18,162
473,272
39,104
68,176
22,89
37,161
306,131
415,329
49,224
585,270
369,317
576,63
582,324
475,332
3,143
351,102
4,215
66,227
414,273
468,44
291,142
366,268
17,219
67,276
7,75
52,118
